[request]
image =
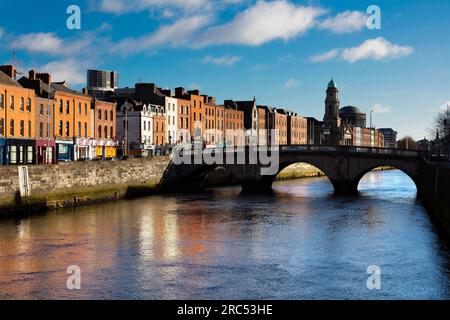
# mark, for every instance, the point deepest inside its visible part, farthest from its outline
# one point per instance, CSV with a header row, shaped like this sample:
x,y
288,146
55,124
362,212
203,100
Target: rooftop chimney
x,y
194,92
9,71
179,92
212,100
32,74
44,77
166,92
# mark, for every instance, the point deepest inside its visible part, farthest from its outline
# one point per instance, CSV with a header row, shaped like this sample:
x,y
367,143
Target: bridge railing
x,y
304,148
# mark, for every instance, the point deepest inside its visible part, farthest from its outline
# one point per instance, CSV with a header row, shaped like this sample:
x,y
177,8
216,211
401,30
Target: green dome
x,y
332,84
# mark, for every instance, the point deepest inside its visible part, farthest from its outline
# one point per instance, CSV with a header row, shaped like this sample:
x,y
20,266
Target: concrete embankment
x,y
78,183
434,192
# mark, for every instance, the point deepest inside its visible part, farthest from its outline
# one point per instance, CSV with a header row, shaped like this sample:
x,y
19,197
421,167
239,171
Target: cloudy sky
x,y
283,52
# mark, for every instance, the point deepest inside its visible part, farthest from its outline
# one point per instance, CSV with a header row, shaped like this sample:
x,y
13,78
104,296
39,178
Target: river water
x,y
299,243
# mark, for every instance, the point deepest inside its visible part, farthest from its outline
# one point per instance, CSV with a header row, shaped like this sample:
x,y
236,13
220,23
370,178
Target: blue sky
x,y
282,52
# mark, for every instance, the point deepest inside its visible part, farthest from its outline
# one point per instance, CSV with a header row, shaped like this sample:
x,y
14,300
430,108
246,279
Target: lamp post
x,y
371,112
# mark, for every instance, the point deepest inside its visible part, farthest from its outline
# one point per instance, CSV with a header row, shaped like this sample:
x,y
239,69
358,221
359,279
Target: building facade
x,y
296,129
17,120
72,122
101,84
134,123
390,137
103,126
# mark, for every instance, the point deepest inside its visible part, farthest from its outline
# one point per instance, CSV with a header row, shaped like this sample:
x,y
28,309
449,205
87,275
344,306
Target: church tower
x,y
331,120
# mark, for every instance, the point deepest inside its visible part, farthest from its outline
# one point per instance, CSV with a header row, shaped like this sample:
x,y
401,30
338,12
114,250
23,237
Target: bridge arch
x,y
406,171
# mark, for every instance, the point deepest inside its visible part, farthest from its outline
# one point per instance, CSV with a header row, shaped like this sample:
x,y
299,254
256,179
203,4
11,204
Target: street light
x,y
371,112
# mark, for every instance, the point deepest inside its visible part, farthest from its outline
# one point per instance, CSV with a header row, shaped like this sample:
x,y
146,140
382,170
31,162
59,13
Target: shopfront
x,y
45,152
3,151
20,151
64,150
110,150
81,149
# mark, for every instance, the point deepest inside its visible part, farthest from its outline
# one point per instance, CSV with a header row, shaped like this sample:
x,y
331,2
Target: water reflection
x,y
299,243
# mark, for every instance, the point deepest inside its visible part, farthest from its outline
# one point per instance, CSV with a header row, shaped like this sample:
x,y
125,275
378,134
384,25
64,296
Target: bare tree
x,y
440,125
407,143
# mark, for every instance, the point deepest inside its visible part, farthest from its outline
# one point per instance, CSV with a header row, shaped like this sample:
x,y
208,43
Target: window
x,y
48,109
99,132
68,107
2,126
13,158
145,125
79,128
99,114
111,115
106,132
11,103
41,109
111,133
67,129
85,109
79,107
60,128
29,105
85,130
106,114
48,130
22,104
41,130
2,101
29,129
29,154
22,128
61,106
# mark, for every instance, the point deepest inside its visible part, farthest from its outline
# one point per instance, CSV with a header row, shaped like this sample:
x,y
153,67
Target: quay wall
x,y
434,192
78,183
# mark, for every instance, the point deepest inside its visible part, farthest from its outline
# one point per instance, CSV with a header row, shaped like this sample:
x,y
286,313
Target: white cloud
x,y
127,6
38,42
325,56
291,83
172,35
380,108
70,70
263,22
222,61
345,22
371,49
49,43
376,49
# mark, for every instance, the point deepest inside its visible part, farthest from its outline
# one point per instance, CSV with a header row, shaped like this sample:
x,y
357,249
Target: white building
x,y
135,128
172,120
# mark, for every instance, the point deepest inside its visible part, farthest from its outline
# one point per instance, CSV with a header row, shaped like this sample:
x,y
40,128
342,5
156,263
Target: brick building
x,y
234,131
296,129
103,127
17,120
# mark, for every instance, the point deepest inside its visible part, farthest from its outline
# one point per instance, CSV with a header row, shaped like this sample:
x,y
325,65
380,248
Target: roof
x,y
41,88
351,110
332,84
61,87
6,80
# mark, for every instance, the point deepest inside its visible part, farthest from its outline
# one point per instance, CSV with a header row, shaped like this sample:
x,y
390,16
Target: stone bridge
x,y
343,165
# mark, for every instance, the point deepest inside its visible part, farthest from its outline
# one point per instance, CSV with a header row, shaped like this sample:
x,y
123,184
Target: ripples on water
x,y
299,243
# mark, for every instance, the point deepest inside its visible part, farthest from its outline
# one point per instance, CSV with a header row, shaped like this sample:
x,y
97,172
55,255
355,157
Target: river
x,y
302,242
